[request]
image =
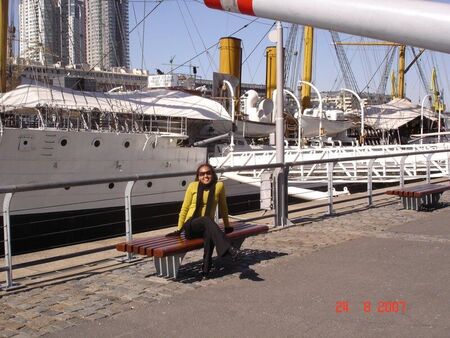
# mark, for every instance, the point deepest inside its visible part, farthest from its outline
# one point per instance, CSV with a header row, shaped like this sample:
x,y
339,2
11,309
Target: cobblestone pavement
x,y
35,311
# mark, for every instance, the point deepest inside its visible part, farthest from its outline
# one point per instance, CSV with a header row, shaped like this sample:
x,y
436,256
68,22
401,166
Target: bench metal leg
x,y
418,203
409,203
431,200
168,266
412,203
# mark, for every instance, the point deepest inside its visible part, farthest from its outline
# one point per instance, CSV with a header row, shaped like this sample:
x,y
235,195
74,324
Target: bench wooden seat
x,y
168,252
421,196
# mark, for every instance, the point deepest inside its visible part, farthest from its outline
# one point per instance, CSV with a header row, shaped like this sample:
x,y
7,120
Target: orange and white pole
x,y
419,23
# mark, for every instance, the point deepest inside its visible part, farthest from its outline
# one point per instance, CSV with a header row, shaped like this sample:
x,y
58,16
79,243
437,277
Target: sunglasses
x,y
203,173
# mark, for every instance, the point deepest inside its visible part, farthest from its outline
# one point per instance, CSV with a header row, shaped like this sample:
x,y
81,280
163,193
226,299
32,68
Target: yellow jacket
x,y
190,199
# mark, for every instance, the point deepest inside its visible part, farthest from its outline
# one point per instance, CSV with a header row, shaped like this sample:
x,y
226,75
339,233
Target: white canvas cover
x,y
394,114
162,102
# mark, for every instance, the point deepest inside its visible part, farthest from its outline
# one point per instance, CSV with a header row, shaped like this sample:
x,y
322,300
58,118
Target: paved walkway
x,y
310,279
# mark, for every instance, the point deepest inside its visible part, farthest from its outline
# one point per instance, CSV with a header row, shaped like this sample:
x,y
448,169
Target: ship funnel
x,y
230,59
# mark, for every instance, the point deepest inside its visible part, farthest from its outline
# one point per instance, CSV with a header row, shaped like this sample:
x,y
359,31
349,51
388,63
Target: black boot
x,y
234,253
206,268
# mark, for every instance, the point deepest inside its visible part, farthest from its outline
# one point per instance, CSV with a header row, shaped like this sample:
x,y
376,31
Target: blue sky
x,y
180,30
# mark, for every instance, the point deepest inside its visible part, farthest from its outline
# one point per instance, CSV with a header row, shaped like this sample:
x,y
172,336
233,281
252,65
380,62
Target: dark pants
x,y
206,228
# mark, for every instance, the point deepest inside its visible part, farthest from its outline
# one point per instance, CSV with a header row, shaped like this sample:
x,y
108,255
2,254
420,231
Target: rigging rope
x,y
214,45
421,73
375,73
211,61
141,43
387,69
259,42
190,37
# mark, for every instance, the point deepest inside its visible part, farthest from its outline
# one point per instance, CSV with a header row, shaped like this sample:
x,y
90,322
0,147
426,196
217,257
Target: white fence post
x,y
330,167
7,240
448,165
284,197
267,201
128,219
429,167
402,171
369,182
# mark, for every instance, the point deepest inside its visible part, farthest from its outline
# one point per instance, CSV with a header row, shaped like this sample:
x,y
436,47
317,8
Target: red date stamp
x,y
382,306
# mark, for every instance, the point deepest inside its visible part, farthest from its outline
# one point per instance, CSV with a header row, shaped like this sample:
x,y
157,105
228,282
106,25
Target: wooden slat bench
x,y
168,252
421,196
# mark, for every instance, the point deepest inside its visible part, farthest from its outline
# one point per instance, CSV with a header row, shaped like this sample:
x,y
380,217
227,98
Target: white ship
x,y
53,134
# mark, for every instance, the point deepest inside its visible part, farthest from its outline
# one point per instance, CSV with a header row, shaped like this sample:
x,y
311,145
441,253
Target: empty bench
x,y
168,252
420,197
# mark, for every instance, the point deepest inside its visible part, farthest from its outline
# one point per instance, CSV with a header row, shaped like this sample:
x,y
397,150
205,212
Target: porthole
x,y
183,183
63,142
25,142
126,144
149,184
96,143
111,185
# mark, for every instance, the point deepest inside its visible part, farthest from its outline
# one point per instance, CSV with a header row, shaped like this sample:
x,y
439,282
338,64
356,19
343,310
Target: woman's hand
x,y
228,230
174,233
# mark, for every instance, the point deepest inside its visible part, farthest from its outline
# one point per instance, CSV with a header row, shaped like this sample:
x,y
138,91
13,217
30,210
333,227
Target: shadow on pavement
x,y
191,272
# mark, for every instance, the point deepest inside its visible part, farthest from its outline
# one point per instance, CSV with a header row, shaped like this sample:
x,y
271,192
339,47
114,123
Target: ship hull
x,y
38,231
54,217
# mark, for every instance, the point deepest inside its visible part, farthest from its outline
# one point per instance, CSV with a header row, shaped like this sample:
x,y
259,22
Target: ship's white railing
x,y
384,170
320,160
97,121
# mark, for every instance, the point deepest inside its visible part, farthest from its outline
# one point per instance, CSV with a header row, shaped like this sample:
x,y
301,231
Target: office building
x,y
52,31
107,43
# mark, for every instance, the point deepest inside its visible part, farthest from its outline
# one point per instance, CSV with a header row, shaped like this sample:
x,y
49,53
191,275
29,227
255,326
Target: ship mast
x,y
401,71
308,47
3,43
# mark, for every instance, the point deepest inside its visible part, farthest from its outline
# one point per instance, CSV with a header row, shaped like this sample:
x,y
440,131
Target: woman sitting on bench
x,y
196,217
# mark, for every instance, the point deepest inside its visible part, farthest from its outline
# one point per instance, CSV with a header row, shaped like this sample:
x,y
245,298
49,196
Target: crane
x,y
292,58
420,70
347,73
438,103
387,68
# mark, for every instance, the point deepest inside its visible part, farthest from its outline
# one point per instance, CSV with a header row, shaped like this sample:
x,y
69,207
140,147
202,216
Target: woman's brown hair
x,y
210,167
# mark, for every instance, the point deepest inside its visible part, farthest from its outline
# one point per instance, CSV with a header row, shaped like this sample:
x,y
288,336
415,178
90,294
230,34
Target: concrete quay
x,y
363,272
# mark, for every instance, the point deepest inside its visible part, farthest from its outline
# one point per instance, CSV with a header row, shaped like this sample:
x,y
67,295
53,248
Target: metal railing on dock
x,y
279,171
